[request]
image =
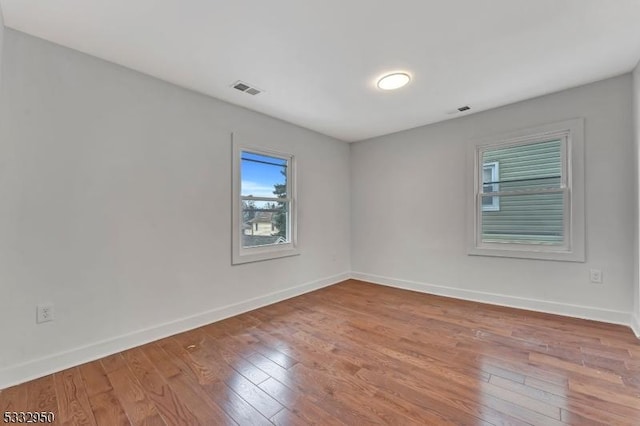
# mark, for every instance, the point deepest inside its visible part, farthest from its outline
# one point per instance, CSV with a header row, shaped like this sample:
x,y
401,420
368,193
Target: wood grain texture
x,y
358,353
73,402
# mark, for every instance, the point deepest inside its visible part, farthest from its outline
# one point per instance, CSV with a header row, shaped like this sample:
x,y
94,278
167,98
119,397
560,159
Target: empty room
x,y
320,212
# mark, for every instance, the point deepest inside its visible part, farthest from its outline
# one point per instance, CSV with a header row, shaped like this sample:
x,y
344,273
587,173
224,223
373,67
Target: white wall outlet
x,y
44,313
596,276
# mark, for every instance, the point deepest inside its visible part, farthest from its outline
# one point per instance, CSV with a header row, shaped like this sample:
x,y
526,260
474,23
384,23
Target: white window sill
x,y
528,253
248,256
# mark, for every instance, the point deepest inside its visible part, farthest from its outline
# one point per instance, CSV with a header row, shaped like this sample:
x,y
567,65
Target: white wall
x,y
408,209
1,45
636,138
115,192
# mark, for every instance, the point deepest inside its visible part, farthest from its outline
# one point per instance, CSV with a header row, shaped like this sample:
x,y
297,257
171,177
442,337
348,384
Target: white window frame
x,y
242,254
571,132
494,166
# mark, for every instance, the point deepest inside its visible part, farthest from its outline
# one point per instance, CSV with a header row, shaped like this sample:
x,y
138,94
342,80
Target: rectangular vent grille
x,y
246,88
464,108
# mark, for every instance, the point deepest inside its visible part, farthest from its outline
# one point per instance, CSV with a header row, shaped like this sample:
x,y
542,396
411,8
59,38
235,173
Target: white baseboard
x,y
576,311
635,325
34,369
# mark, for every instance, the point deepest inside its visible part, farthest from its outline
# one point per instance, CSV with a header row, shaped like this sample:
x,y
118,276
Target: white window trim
x,y
240,254
495,175
573,181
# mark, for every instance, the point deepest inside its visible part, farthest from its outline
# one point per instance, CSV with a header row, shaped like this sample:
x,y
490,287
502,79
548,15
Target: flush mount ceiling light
x,y
393,81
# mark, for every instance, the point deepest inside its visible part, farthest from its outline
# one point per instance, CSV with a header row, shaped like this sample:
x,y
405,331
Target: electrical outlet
x,y
44,313
596,276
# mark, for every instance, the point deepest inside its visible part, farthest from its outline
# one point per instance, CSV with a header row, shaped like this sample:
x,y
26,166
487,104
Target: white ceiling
x,y
318,60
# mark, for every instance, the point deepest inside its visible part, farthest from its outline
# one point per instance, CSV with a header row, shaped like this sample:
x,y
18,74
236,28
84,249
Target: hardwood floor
x,y
355,354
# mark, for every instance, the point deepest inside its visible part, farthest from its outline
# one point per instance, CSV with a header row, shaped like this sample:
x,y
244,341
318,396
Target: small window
x,y
528,197
490,177
264,205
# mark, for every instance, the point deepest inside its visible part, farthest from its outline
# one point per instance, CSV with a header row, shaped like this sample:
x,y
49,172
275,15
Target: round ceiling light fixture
x,y
394,81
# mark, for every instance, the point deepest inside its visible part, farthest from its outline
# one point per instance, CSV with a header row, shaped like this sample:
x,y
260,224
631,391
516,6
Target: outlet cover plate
x,y
44,313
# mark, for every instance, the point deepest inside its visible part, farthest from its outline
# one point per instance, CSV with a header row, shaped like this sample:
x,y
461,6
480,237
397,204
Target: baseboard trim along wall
x,y
34,369
635,325
576,311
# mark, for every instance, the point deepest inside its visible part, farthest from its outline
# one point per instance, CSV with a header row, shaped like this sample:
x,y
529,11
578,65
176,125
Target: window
x,y
263,205
490,177
528,194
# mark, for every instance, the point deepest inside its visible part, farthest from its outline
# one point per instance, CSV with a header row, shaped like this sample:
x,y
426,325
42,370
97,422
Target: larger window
x,y
264,204
528,198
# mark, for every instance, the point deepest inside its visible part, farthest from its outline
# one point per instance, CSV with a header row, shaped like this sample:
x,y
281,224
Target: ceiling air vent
x,y
246,88
459,110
